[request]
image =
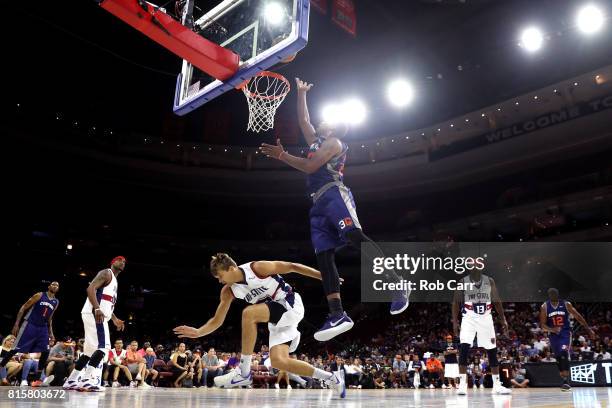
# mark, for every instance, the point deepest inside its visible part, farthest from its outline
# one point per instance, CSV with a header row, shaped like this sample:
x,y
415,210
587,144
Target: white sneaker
x,y
133,384
91,380
72,382
277,386
289,387
116,384
431,386
462,389
475,386
233,379
144,385
138,377
500,389
337,383
47,381
24,383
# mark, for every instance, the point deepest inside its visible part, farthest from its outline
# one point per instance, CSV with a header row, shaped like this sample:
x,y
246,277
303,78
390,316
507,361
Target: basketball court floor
x,y
271,398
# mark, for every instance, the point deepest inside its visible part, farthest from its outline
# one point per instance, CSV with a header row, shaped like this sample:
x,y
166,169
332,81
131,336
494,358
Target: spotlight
x,y
351,111
274,13
400,93
69,247
590,19
532,39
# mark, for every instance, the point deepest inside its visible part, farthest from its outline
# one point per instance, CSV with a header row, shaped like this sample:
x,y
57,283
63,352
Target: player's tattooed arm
x,y
455,311
213,323
303,116
499,307
570,308
330,148
269,268
102,279
23,309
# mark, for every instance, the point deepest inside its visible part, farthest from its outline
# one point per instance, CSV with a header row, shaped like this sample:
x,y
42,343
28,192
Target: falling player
x,y
97,311
554,318
476,304
36,331
333,216
271,301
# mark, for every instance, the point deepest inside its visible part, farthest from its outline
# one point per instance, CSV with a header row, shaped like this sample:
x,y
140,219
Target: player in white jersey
x,y
271,301
97,311
476,302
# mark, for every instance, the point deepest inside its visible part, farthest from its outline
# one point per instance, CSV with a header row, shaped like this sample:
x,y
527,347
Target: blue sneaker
x,y
400,302
334,326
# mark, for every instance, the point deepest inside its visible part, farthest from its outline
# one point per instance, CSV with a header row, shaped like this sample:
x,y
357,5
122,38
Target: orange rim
x,y
250,94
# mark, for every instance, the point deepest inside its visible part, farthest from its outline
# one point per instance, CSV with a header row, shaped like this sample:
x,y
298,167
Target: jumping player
x,y
476,304
333,216
97,311
271,301
554,318
36,331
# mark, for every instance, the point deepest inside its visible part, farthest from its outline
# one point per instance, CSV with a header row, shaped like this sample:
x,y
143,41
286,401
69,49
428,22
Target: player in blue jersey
x,y
554,318
36,331
333,216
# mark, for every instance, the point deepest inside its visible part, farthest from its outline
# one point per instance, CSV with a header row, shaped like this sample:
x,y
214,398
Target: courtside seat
x,y
164,372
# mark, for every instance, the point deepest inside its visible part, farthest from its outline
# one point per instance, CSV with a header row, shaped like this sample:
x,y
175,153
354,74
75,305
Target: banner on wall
x,y
343,14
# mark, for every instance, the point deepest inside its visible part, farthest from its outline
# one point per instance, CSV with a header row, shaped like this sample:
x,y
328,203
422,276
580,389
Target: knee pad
x,y
492,355
329,274
562,361
464,351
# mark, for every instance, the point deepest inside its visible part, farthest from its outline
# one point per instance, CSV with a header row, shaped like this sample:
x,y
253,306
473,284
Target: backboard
x,y
261,32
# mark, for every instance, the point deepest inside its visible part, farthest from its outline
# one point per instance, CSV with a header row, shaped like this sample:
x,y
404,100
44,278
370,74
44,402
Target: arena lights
x,y
590,19
351,111
69,247
400,93
274,13
532,39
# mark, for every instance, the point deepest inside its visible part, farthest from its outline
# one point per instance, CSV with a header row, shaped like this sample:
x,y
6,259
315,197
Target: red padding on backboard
x,y
209,57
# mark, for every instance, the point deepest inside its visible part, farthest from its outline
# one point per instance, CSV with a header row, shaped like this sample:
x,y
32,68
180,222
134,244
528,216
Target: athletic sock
x,y
245,365
564,380
495,378
335,307
297,379
322,375
463,379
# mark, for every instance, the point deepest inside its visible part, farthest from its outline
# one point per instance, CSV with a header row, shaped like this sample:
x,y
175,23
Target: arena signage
x,y
522,128
586,373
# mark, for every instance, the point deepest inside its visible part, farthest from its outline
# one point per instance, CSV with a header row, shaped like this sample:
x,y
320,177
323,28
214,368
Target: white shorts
x,y
286,330
479,326
451,370
96,336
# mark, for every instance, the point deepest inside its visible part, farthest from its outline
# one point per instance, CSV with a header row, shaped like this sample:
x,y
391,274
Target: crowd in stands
x,y
410,353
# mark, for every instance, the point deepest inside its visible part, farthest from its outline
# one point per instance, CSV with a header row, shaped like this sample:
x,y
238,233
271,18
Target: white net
x,y
264,92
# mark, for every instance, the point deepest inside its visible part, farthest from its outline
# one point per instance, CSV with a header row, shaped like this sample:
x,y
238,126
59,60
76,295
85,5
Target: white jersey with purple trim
x,y
255,289
106,296
477,299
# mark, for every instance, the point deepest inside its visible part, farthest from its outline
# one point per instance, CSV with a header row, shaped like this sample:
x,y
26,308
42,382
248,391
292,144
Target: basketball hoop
x,y
264,92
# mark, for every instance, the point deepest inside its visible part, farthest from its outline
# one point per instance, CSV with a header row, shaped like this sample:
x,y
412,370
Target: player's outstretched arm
x,y
499,307
213,323
570,308
330,148
269,268
26,306
303,116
